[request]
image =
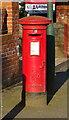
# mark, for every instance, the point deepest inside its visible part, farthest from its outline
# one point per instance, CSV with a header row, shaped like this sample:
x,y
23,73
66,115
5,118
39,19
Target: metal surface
x,y
34,53
34,20
50,54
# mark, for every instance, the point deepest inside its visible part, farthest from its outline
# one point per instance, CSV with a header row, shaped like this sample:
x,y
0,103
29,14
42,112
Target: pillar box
x,y
34,52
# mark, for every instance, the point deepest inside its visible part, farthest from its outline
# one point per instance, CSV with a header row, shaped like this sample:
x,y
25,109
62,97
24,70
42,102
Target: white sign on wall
x,y
37,8
34,48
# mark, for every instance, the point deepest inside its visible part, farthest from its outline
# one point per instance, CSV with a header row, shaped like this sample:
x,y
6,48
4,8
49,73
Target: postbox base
x,y
36,100
36,93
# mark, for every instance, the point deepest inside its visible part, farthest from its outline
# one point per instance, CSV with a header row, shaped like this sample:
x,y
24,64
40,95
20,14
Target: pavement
x,y
35,106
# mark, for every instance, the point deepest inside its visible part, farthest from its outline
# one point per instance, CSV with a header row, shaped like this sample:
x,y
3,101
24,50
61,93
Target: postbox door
x,y
34,60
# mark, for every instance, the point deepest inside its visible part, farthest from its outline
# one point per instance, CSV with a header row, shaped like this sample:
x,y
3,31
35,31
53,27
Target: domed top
x,y
34,20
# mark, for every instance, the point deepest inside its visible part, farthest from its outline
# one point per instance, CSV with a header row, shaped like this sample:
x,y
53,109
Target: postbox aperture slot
x,y
34,34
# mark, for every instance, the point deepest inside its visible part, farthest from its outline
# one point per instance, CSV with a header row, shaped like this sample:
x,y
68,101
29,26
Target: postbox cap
x,y
34,20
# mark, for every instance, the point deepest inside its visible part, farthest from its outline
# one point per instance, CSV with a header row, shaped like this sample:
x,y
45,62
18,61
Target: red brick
x,y
10,64
15,8
9,18
9,11
9,8
9,22
15,3
65,40
4,46
10,15
9,25
6,3
10,67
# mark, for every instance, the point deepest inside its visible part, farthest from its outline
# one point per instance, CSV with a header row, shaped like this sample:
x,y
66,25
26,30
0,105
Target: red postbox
x,y
34,52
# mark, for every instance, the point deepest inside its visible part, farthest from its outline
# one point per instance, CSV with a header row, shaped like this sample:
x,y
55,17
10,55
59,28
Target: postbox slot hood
x,y
34,20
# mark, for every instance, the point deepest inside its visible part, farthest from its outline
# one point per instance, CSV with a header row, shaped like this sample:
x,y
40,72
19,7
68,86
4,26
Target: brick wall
x,y
8,7
10,45
12,9
62,16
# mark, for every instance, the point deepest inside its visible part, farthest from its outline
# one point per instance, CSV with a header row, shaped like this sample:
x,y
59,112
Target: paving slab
x,y
36,108
60,60
57,108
